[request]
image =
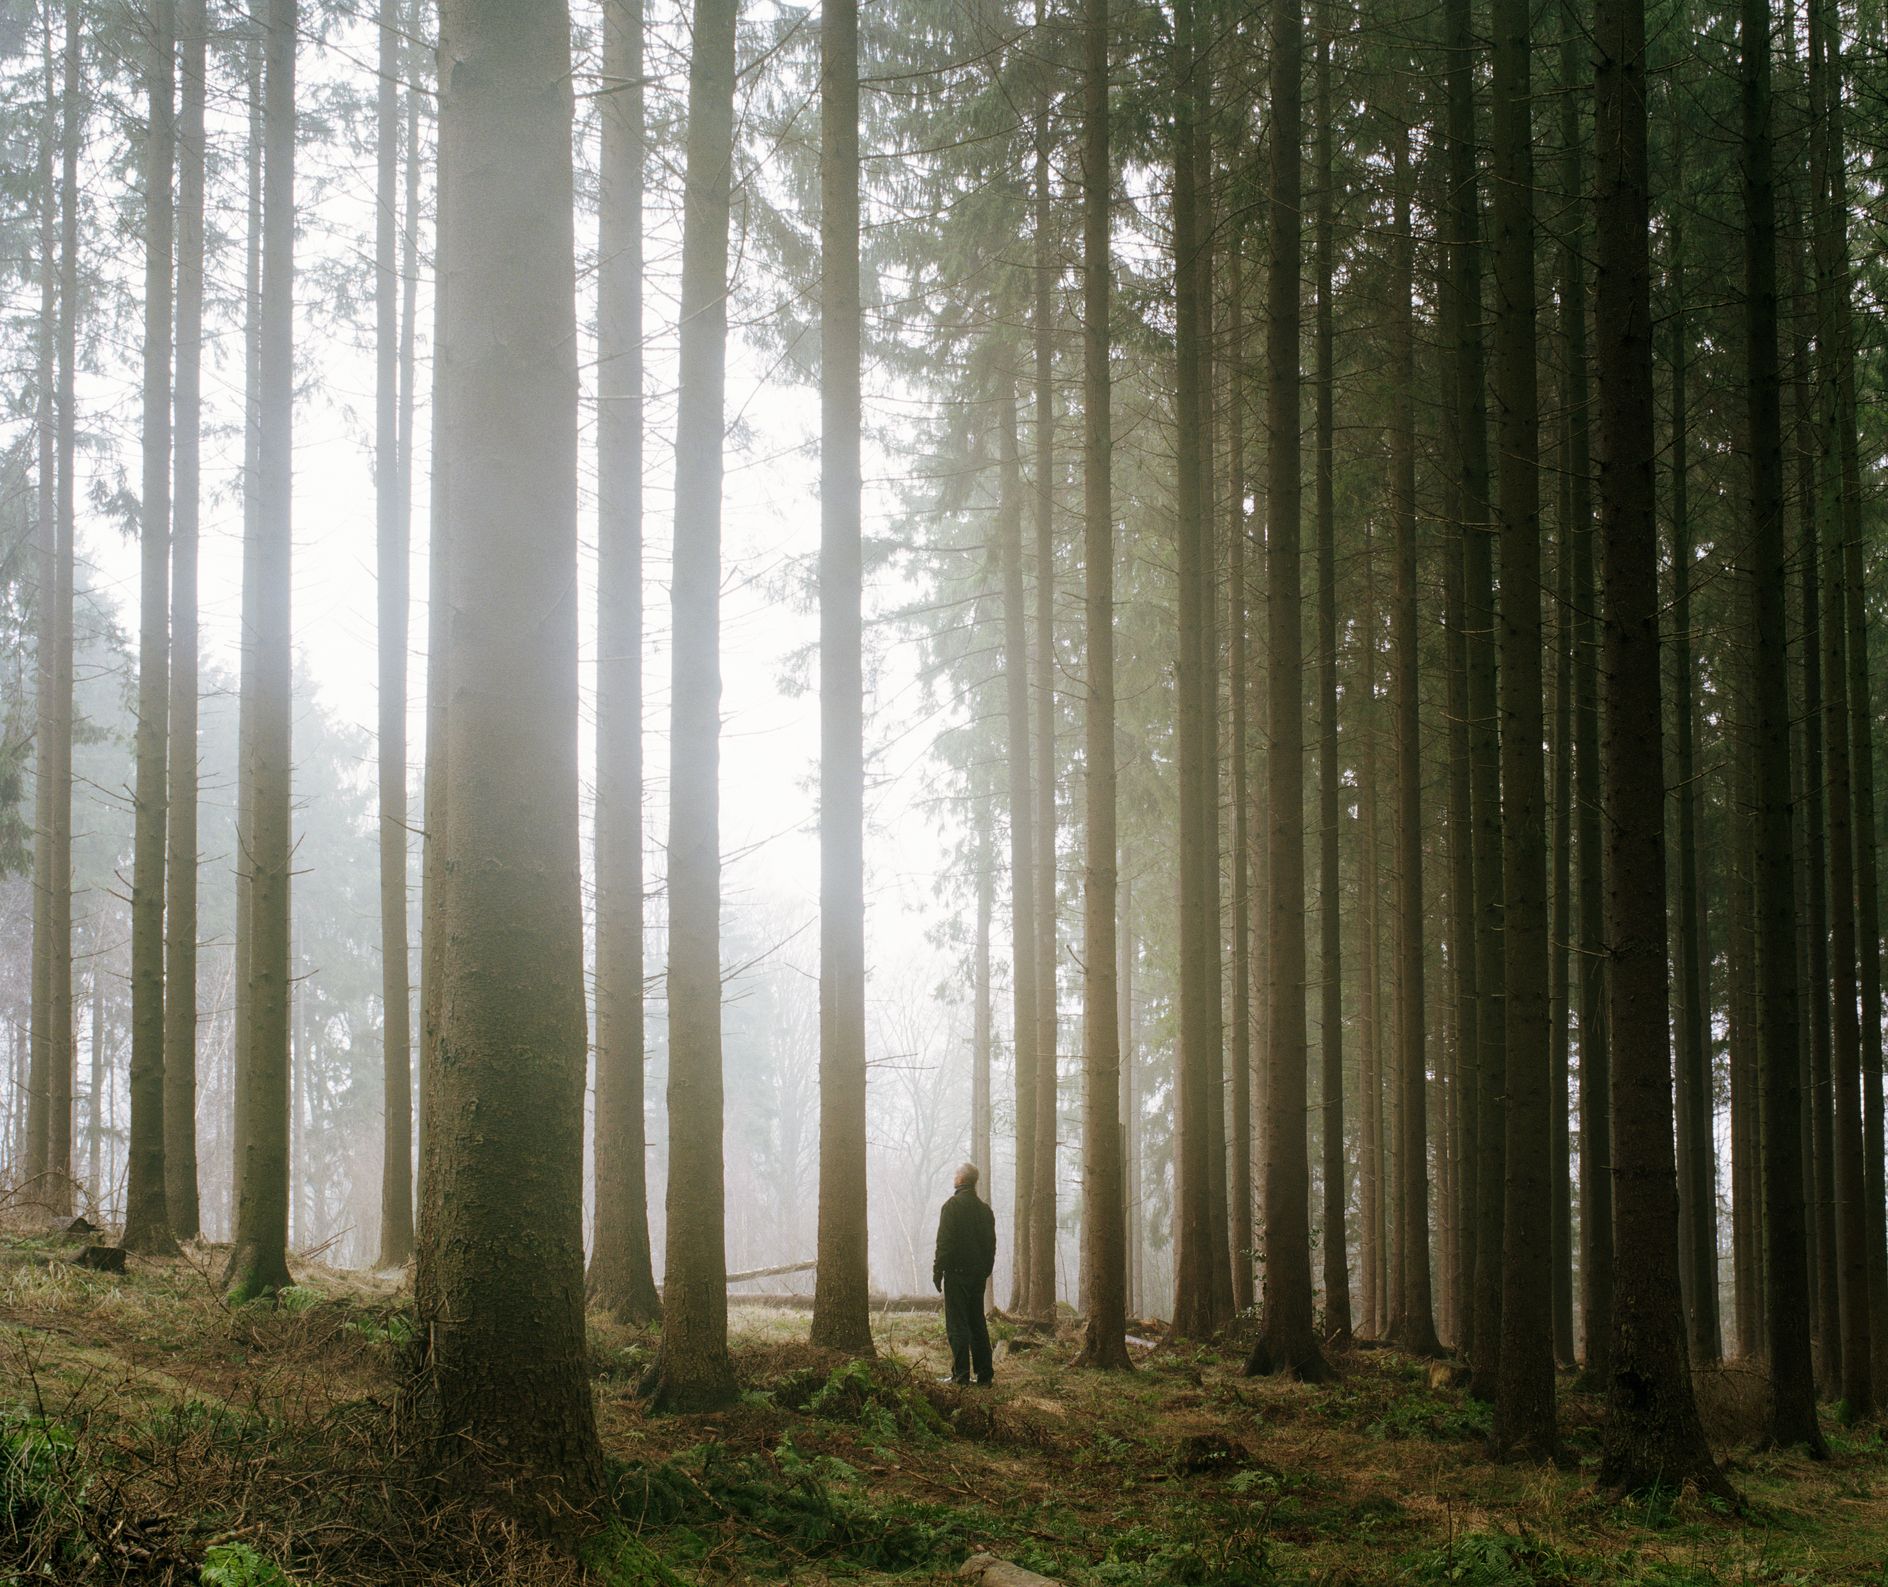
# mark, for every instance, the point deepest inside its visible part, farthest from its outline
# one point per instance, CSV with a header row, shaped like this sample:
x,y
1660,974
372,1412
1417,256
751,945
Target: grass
x,y
149,1432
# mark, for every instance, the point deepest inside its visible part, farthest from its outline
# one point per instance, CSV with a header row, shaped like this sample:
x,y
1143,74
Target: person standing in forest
x,y
966,1254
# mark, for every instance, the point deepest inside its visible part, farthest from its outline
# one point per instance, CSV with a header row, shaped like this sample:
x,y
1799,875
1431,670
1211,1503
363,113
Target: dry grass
x,y
191,1424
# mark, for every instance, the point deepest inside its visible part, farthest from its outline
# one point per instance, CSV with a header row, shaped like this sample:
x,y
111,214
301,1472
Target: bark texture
x,y
499,1289
841,1318
693,1369
621,1272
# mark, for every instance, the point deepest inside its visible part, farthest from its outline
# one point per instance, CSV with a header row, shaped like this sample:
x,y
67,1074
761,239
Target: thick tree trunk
x,y
180,916
1288,1340
841,1318
1525,1426
1337,1315
259,1258
147,1221
505,1367
693,1369
1786,1271
1104,1338
396,1150
1653,1437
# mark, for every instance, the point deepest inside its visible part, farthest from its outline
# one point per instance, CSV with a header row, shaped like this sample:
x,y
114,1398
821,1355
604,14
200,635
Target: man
x,y
966,1252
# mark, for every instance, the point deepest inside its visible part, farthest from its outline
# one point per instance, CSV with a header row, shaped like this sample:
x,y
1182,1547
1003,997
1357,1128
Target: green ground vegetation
x,y
150,1432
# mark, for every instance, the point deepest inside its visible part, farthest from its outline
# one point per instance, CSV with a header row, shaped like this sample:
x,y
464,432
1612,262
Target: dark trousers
x,y
965,1328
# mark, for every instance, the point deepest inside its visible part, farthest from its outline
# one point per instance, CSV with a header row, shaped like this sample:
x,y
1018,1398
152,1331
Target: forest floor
x,y
149,1433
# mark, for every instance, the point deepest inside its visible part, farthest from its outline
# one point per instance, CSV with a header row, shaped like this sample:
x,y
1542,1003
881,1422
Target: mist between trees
x,y
633,630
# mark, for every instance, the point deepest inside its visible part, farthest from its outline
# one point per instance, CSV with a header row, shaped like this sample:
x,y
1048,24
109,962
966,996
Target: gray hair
x,y
966,1174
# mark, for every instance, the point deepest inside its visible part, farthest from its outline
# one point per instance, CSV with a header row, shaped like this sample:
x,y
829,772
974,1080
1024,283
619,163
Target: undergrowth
x,y
150,1434
779,1508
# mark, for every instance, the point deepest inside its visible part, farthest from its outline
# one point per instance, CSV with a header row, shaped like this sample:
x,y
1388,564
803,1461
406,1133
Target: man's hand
x,y
937,1282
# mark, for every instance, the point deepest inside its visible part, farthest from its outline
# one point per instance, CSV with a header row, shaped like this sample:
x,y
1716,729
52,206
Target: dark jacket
x,y
966,1239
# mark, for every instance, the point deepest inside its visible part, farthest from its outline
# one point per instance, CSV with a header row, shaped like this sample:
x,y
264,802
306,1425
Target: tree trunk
x,y
1288,1340
1524,1426
1130,1104
1851,1232
1560,937
620,1272
1373,1192
1487,1078
1596,1184
1861,715
180,918
1696,1111
1024,1030
147,1221
396,1157
841,1317
37,1180
1813,877
1195,1252
1653,1437
1212,969
241,1024
1786,1275
101,1081
1040,1299
1463,1210
1337,1317
1853,1219
505,1366
1575,724
1861,724
1738,838
981,1033
1412,1322
59,981
1697,1165
435,796
693,1369
259,1259
1239,1164
57,426
1104,1338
